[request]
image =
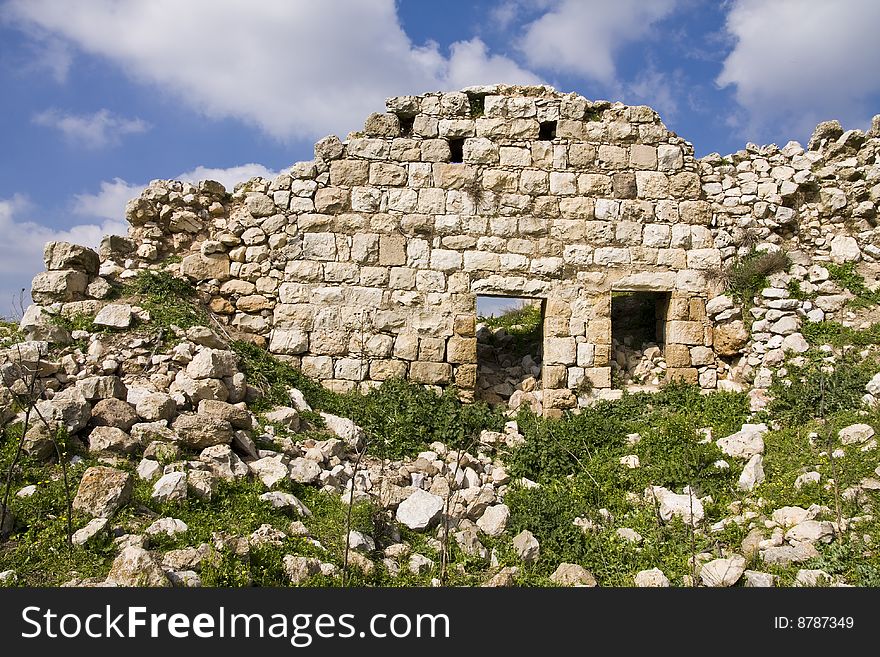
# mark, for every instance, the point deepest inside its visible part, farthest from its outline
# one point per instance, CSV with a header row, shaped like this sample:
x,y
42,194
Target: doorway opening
x,y
638,330
510,341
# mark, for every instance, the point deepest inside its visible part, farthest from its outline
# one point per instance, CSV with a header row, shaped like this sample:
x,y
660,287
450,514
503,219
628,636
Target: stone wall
x,y
365,263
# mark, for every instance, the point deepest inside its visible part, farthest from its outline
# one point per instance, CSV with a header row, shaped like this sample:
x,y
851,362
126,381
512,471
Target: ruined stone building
x,y
366,263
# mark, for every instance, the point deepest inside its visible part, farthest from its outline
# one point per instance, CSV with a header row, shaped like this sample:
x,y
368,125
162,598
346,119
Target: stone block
x,y
677,355
684,332
430,373
685,374
392,250
461,350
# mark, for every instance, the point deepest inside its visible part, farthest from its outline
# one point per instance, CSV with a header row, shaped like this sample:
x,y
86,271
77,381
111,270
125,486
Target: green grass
x,y
171,301
849,278
838,335
9,333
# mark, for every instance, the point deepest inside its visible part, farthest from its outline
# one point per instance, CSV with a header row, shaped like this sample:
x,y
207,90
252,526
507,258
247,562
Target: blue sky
x,y
100,97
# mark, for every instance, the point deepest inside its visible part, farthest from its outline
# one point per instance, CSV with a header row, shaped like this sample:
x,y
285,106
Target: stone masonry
x,y
365,263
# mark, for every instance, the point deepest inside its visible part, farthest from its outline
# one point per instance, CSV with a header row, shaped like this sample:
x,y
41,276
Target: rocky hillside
x,y
145,445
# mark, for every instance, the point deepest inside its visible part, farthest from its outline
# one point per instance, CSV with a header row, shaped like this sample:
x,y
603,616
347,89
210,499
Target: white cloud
x,y
21,258
294,69
794,63
227,177
93,131
582,36
109,203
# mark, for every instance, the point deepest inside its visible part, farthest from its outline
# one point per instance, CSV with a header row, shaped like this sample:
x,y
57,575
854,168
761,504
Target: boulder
x,y
304,471
745,443
360,542
723,572
653,577
810,531
855,433
571,574
68,409
278,500
238,417
756,579
784,555
420,510
38,324
156,406
200,431
102,491
170,487
270,470
110,439
493,522
223,462
687,507
212,364
93,527
114,315
64,255
283,416
114,412
299,569
94,388
730,338
752,474
845,248
136,567
167,526
345,429
526,546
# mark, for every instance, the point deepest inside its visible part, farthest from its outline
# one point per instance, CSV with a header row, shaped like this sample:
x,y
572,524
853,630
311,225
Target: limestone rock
x,y
299,569
279,500
212,364
755,579
730,338
111,439
114,412
855,433
270,470
102,491
167,526
571,574
420,510
687,507
114,315
170,487
136,567
64,255
723,572
223,462
745,443
493,522
156,406
526,546
94,527
752,474
347,430
200,431
653,577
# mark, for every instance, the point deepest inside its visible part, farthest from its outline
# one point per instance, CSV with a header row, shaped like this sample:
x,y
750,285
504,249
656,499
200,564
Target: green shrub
x,y
748,276
402,418
807,392
171,301
273,377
